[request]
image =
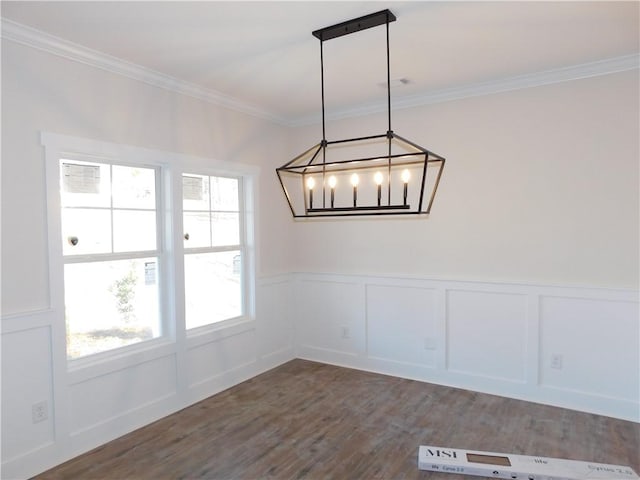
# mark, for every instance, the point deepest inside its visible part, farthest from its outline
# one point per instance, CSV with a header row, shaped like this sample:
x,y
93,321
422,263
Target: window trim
x,y
165,287
70,259
170,166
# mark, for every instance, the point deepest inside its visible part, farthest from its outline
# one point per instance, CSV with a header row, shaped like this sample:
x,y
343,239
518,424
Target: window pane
x,y
225,229
213,287
85,230
195,192
134,230
224,194
134,187
197,231
84,184
110,305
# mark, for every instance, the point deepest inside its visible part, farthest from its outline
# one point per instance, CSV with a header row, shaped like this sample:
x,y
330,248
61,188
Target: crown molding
x,y
37,39
537,79
22,34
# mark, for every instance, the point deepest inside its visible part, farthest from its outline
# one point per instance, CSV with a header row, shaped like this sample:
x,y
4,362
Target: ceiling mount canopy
x,y
380,174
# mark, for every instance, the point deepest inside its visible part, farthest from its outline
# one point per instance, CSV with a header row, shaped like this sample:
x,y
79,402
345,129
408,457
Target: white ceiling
x,y
262,54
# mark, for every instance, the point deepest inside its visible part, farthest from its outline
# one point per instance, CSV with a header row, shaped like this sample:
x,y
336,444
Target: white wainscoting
x,y
497,338
92,405
26,374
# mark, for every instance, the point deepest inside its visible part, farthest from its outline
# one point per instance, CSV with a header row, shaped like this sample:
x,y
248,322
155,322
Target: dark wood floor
x,y
315,421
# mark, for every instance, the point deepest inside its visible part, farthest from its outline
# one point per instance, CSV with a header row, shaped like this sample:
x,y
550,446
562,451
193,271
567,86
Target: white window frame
x,y
171,167
247,186
158,252
240,246
59,147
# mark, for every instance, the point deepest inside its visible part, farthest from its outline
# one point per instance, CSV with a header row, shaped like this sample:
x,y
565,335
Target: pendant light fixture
x,y
388,178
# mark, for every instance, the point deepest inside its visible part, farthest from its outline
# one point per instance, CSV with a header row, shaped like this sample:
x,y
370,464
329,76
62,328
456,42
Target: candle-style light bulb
x,y
311,182
378,179
354,181
405,178
332,185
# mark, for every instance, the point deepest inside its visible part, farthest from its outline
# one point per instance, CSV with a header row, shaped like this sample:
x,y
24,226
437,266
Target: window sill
x,y
219,331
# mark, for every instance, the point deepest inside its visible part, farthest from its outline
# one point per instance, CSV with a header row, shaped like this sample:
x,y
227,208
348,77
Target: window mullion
x,y
224,248
111,205
210,214
244,277
106,257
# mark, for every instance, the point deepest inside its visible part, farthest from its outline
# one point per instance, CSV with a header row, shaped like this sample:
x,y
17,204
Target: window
x,y
214,248
110,255
117,252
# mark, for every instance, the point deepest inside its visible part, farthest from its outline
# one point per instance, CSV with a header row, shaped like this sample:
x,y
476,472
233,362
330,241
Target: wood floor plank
x,y
306,420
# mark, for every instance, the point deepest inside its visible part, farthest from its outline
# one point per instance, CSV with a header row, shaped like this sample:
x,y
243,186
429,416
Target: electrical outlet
x,y
39,411
344,331
556,361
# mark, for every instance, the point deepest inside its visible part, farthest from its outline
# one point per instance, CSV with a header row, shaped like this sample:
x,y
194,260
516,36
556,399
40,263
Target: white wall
x,y
540,185
91,405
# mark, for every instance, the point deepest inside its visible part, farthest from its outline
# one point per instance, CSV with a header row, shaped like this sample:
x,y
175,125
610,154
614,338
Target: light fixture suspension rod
x,y
324,136
388,82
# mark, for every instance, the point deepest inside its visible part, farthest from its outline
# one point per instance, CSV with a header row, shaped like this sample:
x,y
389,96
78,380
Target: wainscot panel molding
x,y
572,347
497,324
94,402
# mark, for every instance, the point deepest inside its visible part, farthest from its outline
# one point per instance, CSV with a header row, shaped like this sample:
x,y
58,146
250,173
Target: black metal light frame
x,y
313,162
